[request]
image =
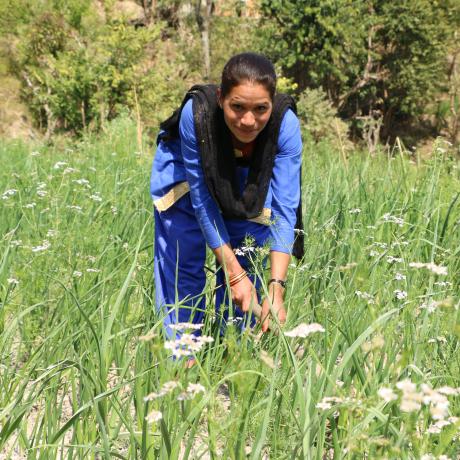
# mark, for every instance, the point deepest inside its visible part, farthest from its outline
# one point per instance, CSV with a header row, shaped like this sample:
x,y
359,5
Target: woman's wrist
x,y
276,291
227,260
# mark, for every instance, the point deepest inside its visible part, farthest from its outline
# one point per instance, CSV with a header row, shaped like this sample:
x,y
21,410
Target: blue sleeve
x,y
285,184
206,210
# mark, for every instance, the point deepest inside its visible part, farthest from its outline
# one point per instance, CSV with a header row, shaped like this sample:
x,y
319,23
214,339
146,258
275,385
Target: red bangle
x,y
237,278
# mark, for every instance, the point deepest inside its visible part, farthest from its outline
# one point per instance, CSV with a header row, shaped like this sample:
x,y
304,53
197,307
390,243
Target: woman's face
x,y
247,109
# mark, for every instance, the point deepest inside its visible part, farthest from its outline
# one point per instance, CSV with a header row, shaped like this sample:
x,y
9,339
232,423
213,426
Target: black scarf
x,y
218,158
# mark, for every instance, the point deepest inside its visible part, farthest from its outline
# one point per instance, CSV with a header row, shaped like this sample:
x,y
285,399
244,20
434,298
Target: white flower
x,y
400,277
449,391
187,344
436,269
443,283
323,405
154,416
406,386
30,205
34,153
195,388
393,219
60,164
183,326
92,270
304,330
51,233
430,306
96,197
69,170
439,411
74,207
13,281
167,387
409,404
114,209
387,394
84,182
7,193
77,274
354,211
43,247
393,260
401,295
42,193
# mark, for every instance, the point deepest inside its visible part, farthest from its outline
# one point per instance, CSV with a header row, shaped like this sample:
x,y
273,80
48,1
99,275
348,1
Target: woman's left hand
x,y
277,306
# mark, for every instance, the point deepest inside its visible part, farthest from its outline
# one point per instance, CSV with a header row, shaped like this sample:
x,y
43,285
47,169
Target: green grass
x,y
74,373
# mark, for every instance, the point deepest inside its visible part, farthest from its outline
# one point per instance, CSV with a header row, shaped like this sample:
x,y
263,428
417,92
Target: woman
x,y
227,166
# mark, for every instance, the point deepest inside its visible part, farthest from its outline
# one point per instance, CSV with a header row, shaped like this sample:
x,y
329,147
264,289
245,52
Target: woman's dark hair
x,y
250,67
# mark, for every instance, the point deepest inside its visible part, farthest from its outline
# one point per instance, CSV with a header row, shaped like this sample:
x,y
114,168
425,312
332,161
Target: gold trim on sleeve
x,y
180,189
175,194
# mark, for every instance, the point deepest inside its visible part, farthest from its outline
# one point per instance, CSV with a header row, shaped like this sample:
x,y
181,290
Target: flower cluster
x,y
436,269
43,247
412,399
400,295
184,326
304,330
369,298
187,345
192,390
393,219
154,416
7,193
167,388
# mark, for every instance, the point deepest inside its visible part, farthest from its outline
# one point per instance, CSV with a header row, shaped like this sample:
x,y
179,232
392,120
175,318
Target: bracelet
x,y
274,280
237,278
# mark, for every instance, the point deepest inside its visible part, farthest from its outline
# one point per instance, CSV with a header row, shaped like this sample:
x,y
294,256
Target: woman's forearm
x,y
227,259
279,262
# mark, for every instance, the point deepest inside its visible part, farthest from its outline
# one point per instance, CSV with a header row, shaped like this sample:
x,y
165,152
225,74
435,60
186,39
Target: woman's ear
x,y
219,97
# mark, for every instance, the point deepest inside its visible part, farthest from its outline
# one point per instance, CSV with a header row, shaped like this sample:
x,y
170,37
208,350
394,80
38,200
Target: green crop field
x,y
367,366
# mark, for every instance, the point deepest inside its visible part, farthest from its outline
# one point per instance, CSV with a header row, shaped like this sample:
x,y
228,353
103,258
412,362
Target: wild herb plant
x,y
367,364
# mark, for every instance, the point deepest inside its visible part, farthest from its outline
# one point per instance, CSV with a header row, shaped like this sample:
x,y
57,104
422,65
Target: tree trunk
x,y
203,17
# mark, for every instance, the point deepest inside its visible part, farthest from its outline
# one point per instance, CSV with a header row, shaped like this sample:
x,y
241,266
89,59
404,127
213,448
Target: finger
x,y
245,306
264,317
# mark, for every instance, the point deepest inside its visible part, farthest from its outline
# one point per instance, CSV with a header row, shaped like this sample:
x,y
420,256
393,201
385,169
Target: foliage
x,y
75,78
375,59
319,119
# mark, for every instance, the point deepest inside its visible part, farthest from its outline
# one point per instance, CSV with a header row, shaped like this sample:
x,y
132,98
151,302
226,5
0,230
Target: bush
x,y
319,119
75,79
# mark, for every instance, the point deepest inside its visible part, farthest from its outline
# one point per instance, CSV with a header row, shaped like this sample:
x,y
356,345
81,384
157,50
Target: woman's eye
x,y
237,107
262,108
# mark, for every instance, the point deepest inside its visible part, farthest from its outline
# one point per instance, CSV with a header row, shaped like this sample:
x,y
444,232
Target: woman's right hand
x,y
244,294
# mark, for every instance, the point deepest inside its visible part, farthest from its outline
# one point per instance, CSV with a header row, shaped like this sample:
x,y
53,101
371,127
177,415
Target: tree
x,y
380,62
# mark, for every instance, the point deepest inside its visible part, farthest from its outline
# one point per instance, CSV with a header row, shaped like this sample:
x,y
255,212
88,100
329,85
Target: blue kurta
x,y
178,161
183,230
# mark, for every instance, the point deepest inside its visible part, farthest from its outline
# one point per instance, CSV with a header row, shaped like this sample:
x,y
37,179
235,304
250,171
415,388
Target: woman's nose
x,y
248,119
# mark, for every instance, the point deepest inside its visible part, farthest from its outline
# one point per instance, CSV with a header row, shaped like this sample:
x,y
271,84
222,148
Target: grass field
x,y
81,346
